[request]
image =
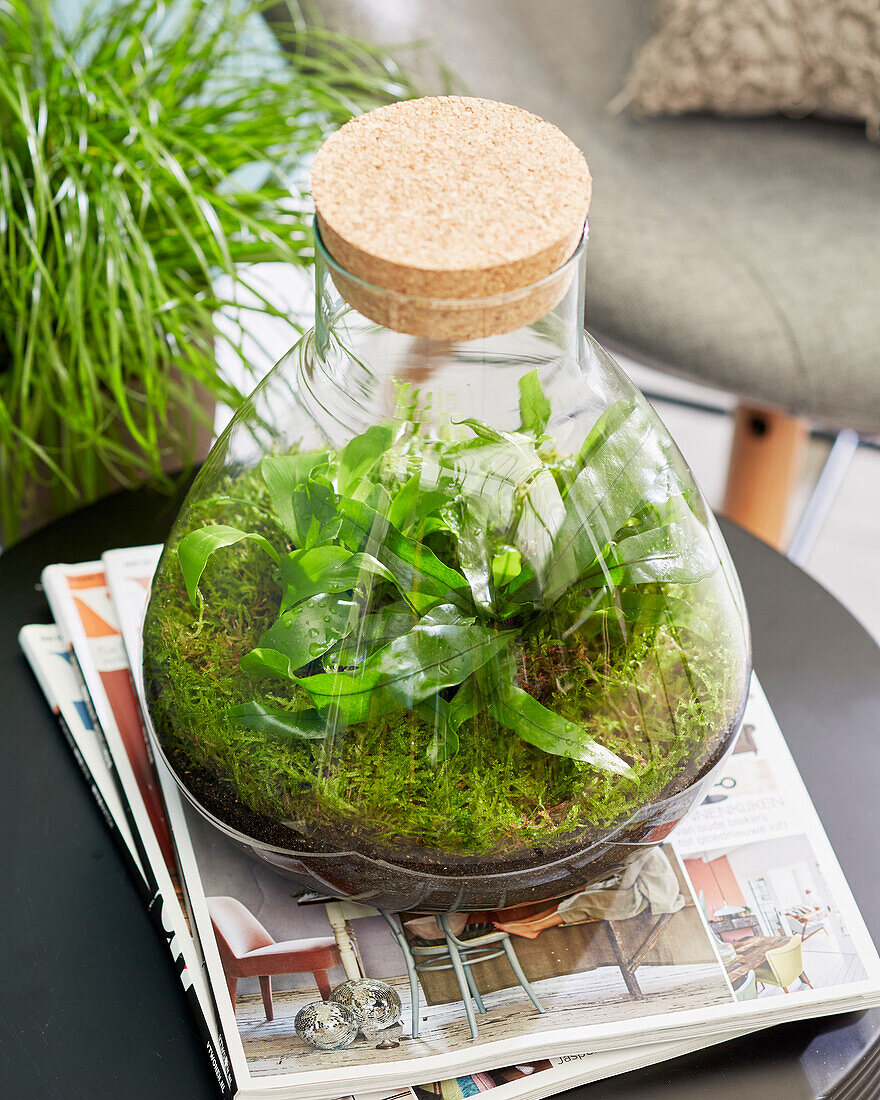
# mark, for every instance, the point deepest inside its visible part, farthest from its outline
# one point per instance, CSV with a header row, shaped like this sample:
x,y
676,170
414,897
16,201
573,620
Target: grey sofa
x,y
744,254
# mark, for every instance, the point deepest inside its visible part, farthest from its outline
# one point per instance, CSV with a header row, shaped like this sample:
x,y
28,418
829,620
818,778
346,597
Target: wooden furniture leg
x,y
266,990
765,462
232,986
632,983
648,942
323,983
345,940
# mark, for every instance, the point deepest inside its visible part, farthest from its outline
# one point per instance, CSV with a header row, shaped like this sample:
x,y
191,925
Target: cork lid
x,y
444,203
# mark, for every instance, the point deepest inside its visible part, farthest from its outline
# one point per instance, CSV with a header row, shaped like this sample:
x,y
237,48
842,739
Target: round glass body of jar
x,y
444,622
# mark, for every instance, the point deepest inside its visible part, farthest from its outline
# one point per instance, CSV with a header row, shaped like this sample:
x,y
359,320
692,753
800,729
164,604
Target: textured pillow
x,y
757,57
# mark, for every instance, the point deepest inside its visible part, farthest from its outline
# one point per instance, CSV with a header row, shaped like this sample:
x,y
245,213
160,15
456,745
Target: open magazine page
x,y
768,884
128,573
86,619
610,969
270,1050
241,876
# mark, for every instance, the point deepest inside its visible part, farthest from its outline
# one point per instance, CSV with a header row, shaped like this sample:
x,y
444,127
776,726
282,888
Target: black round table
x,y
89,1003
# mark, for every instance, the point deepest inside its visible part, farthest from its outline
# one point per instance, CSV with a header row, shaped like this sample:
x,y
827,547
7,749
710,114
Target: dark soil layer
x,y
218,797
439,881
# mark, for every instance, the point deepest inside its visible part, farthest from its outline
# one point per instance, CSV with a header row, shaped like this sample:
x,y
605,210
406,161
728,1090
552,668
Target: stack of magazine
x,y
762,930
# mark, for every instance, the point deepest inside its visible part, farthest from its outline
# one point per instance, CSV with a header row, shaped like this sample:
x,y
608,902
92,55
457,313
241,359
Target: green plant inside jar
x,y
450,640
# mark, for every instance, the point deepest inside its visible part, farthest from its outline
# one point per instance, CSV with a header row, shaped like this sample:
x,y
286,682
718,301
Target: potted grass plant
x,y
146,151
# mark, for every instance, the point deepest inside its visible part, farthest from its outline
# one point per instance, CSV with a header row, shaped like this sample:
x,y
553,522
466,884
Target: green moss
x,y
654,694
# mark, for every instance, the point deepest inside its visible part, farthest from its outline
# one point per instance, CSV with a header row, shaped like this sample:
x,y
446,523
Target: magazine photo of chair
x,y
631,946
638,917
247,950
773,918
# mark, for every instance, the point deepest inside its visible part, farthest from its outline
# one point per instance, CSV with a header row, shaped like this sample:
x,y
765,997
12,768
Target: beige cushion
x,y
759,57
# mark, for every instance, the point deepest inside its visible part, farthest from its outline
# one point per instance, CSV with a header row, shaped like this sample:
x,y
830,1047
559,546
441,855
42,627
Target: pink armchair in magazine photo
x,y
248,951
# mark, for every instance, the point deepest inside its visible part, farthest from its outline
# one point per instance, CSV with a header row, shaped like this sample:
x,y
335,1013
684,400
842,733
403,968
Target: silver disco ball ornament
x,y
327,1025
374,1003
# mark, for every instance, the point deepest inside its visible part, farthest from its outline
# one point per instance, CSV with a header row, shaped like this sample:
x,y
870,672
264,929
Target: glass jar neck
x,y
546,315
373,350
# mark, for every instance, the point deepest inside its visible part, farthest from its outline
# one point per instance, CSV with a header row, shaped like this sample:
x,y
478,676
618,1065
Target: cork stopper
x,y
454,215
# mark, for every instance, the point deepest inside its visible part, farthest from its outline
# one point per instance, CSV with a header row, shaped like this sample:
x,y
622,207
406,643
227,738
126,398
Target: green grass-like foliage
x,y
464,641
125,191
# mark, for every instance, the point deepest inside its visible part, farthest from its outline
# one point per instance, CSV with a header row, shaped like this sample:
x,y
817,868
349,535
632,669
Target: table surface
x,y
89,1004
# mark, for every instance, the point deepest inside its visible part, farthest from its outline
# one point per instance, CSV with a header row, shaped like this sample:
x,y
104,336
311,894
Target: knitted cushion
x,y
742,253
757,57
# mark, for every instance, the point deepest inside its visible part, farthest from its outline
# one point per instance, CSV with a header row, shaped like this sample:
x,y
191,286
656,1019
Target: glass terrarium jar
x,y
444,622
